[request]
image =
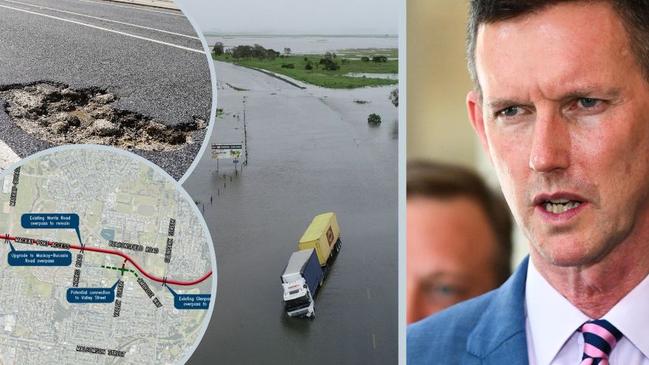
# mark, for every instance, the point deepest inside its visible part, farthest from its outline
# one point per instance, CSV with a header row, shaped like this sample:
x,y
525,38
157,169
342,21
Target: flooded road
x,y
309,151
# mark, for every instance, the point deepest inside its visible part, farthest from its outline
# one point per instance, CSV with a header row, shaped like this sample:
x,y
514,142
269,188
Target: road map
x,y
104,259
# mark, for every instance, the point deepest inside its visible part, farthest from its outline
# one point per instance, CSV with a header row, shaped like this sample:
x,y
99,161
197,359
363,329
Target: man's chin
x,y
566,253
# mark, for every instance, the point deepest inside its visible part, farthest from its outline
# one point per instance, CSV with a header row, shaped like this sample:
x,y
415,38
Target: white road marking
x,y
105,29
110,3
102,19
374,341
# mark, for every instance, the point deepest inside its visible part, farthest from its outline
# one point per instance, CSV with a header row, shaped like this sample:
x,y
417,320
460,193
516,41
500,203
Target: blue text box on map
x,y
90,295
51,221
192,301
39,258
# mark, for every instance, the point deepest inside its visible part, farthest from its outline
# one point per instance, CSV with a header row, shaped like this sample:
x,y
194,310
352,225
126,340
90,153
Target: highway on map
x,y
109,252
150,58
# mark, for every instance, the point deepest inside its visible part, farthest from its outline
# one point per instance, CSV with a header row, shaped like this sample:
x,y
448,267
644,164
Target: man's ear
x,y
474,108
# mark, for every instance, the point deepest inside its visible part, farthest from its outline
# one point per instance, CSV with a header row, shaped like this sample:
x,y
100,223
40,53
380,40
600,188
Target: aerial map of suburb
x,y
103,259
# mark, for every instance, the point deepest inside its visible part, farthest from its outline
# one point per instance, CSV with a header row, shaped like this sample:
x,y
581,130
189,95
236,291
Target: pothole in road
x,y
59,114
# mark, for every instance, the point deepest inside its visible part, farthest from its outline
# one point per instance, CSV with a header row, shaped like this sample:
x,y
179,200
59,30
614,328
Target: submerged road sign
x,y
226,151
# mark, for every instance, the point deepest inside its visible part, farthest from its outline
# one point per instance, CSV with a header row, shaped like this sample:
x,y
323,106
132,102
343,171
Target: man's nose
x,y
550,148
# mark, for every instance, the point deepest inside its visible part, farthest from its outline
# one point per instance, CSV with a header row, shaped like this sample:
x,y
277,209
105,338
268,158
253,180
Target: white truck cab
x,y
298,300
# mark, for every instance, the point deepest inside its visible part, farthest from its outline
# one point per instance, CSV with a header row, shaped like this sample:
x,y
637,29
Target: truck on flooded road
x,y
308,267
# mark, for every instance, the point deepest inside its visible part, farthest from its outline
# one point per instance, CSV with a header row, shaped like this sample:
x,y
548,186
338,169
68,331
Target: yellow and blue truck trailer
x,y
308,267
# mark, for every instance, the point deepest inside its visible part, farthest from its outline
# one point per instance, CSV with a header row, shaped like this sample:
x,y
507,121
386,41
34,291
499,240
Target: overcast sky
x,y
295,16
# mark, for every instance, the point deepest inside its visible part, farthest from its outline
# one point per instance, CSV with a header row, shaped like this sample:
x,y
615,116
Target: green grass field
x,y
337,79
369,52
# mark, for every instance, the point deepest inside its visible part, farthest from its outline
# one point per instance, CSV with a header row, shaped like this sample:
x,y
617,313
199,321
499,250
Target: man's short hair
x,y
633,13
429,179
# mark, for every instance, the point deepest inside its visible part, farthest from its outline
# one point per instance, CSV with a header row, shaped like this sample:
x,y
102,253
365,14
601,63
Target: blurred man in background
x,y
459,238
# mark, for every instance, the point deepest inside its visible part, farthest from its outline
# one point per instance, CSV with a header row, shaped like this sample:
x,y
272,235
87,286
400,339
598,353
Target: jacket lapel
x,y
499,336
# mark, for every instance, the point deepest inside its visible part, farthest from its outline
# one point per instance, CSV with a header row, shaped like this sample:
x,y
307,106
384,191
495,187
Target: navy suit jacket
x,y
489,329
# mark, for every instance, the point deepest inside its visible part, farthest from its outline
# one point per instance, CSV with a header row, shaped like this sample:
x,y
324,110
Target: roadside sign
x,y
226,151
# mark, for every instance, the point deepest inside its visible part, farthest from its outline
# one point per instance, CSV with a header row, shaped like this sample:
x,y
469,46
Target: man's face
x,y
450,252
565,118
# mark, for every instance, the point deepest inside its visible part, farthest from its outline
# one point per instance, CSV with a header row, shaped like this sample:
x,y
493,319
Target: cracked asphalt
x,y
150,58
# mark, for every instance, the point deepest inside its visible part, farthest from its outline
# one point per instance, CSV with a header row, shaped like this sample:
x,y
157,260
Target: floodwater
x,y
373,75
306,44
308,151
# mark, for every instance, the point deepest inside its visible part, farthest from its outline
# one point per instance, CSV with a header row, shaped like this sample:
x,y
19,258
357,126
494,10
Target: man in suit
x,y
560,104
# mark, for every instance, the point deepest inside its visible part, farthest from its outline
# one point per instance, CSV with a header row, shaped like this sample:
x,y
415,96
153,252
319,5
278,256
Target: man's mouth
x,y
558,206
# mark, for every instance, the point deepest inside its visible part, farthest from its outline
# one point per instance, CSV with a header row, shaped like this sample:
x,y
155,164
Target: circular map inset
x,y
104,259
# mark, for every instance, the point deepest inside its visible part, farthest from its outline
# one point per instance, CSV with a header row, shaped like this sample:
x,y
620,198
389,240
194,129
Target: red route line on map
x,y
127,258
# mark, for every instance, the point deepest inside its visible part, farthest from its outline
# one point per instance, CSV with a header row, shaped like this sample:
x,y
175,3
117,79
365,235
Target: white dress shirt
x,y
552,322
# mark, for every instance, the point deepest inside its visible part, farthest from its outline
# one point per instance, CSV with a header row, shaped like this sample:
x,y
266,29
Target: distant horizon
x,y
306,43
270,35
282,17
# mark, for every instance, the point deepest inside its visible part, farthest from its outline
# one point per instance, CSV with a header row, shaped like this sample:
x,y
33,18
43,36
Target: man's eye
x,y
511,111
584,106
446,290
588,102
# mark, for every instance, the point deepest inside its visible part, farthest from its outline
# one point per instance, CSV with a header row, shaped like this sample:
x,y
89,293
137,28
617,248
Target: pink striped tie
x,y
600,337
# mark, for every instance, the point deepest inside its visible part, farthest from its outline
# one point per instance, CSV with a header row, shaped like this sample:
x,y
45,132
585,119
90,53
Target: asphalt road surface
x,y
150,58
309,151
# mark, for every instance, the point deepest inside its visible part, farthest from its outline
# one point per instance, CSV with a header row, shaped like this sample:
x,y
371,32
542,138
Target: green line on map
x,y
122,270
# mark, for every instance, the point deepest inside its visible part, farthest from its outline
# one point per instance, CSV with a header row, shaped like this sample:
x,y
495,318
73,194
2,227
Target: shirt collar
x,y
542,301
629,316
552,318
